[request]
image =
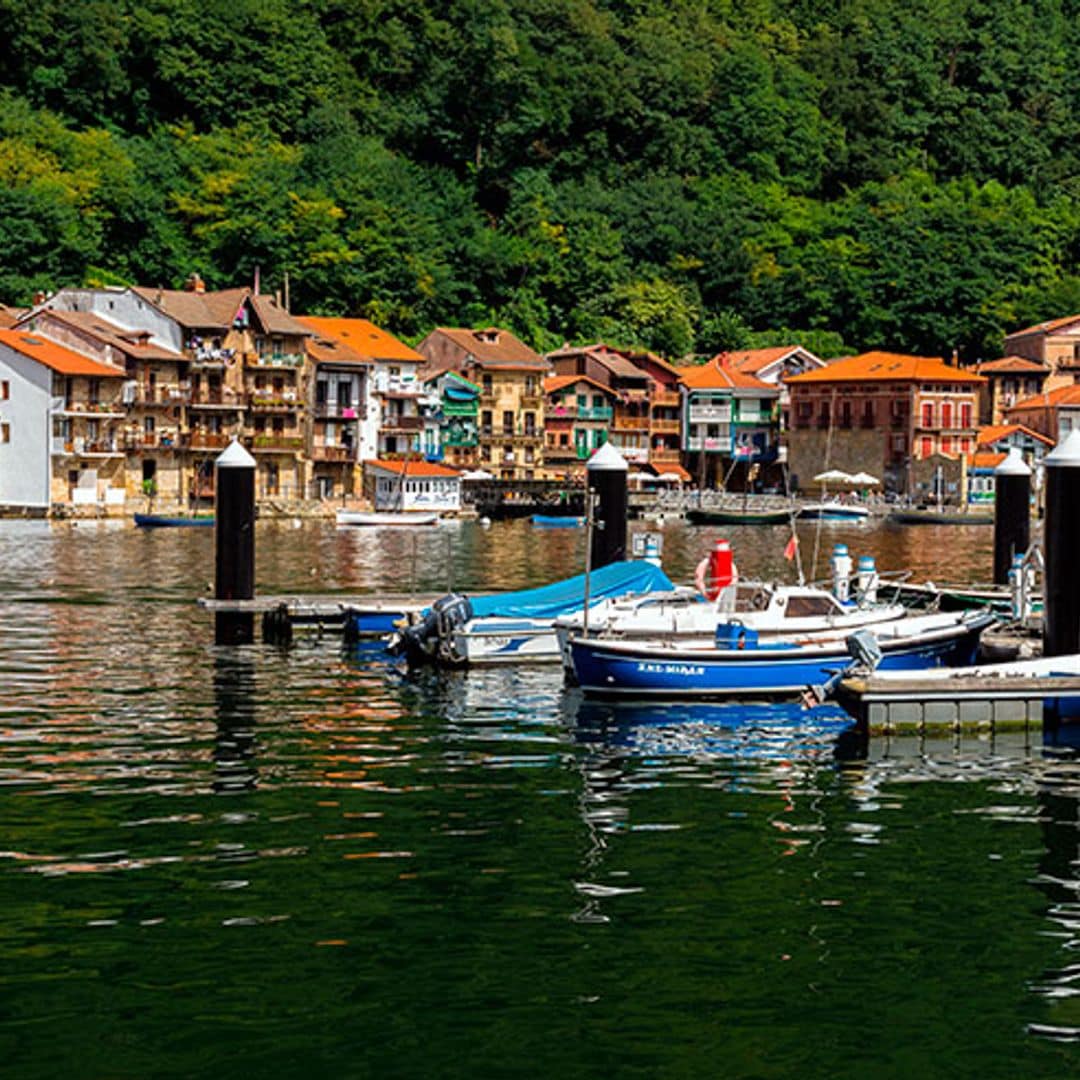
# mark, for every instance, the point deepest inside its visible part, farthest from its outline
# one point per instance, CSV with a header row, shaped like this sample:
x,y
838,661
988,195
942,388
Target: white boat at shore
x,y
383,518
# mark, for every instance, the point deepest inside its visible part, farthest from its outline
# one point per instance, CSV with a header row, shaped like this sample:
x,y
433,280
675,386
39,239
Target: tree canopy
x,y
683,175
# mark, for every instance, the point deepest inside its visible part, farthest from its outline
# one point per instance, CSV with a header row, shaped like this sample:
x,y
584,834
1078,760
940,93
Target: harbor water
x,y
280,862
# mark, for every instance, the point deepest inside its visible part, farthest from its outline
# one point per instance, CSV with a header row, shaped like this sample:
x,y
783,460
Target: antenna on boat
x,y
591,501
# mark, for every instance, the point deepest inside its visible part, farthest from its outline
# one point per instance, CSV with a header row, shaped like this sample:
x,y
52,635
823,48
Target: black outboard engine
x,y
430,638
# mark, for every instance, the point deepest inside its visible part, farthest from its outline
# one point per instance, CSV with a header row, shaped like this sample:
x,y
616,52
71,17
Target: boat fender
x,y
716,571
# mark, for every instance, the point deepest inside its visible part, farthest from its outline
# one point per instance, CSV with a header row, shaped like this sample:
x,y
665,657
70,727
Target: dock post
x,y
234,542
1012,513
607,472
1061,578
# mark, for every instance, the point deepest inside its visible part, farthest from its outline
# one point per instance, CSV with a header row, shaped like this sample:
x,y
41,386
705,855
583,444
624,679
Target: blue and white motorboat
x,y
741,664
517,627
556,521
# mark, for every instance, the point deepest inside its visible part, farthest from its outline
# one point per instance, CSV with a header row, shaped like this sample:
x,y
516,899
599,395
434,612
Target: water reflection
x,y
234,693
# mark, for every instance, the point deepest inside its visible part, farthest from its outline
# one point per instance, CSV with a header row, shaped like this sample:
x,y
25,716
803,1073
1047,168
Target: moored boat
x,y
741,664
833,511
721,516
385,517
554,521
939,517
162,521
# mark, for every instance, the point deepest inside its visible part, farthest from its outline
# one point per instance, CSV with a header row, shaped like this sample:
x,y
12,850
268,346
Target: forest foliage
x,y
685,175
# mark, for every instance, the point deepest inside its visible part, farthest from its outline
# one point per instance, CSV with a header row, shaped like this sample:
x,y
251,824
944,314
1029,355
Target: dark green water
x,y
266,863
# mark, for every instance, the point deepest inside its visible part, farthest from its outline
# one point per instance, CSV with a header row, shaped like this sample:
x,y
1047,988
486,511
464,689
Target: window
x,y
148,425
868,414
946,414
926,446
947,444
508,422
5,390
927,415
965,416
5,432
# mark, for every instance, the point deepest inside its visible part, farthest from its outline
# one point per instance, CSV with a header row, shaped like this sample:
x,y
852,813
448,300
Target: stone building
x,y
885,414
510,376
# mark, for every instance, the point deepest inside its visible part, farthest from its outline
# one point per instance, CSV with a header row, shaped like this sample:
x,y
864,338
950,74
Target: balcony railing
x,y
667,397
710,414
216,399
209,440
148,396
666,427
333,453
711,446
276,443
275,360
97,409
334,411
152,440
665,454
273,401
402,423
79,447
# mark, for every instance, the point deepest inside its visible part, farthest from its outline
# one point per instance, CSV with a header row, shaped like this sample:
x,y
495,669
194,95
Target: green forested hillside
x,y
676,174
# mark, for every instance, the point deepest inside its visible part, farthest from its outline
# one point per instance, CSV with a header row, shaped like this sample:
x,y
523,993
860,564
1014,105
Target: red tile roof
x,y
559,382
129,342
1045,327
982,459
56,356
887,367
1063,395
412,468
992,432
10,315
363,337
714,375
1010,365
753,360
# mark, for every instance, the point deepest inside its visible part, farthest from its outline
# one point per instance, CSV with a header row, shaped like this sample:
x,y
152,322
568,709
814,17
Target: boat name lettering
x,y
671,669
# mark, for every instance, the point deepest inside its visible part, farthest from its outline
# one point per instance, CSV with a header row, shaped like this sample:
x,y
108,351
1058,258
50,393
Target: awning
x,y
665,468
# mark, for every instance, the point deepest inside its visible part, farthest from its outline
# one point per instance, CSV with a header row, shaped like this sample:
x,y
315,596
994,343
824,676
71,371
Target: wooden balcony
x,y
275,444
334,454
208,440
666,427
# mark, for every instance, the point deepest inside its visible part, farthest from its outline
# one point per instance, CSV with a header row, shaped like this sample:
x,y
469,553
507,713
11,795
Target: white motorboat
x,y
386,517
684,616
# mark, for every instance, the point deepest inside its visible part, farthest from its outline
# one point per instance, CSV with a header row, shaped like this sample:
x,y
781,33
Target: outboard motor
x,y
429,638
864,649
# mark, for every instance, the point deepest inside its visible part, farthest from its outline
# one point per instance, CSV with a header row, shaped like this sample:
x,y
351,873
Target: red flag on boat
x,y
792,547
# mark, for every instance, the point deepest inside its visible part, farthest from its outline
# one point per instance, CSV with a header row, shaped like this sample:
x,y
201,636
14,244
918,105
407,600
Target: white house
x,y
412,485
60,418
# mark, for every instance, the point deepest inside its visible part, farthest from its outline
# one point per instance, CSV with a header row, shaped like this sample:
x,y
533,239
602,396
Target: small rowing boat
x,y
159,521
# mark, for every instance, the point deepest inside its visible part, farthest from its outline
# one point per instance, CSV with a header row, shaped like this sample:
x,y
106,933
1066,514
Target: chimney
x,y
955,361
39,298
194,284
255,290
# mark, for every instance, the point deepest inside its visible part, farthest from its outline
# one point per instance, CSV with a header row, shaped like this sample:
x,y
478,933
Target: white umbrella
x,y
864,479
833,476
670,478
476,474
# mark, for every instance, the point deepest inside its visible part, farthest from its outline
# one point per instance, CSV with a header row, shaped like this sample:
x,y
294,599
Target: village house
x,y
456,409
510,377
577,421
775,365
1054,345
645,401
1053,413
729,418
412,485
1008,380
993,443
61,418
910,420
244,375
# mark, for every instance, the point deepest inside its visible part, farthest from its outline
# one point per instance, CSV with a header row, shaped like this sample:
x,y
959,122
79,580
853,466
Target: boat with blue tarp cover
x,y
518,626
742,664
554,521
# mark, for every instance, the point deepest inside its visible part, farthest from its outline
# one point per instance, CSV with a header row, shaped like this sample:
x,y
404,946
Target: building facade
x,y
1053,413
728,418
1053,345
510,376
577,420
886,414
1008,380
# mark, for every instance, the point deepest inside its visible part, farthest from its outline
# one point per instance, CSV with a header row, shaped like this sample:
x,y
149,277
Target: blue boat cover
x,y
565,597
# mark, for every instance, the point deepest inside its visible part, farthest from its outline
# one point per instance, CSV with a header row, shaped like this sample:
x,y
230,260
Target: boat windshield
x,y
807,606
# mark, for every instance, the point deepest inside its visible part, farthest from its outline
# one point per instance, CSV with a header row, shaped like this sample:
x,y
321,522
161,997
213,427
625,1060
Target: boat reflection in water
x,y
754,731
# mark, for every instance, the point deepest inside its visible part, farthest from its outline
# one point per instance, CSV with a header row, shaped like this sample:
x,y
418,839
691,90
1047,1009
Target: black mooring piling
x,y
1061,579
234,542
607,472
1012,513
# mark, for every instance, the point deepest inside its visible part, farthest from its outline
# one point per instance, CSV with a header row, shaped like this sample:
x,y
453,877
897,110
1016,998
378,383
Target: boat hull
x,y
934,517
831,512
783,670
736,517
157,521
377,519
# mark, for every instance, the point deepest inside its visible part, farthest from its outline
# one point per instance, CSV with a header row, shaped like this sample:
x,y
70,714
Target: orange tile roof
x,y
56,356
982,459
753,360
992,432
887,367
10,315
362,336
1009,365
1063,395
412,468
557,382
713,375
1045,327
662,467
